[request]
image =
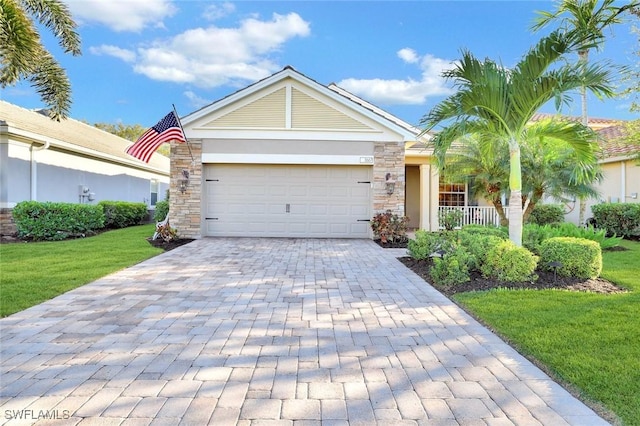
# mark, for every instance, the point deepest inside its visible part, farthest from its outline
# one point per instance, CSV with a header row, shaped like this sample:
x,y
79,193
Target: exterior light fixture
x,y
184,181
555,265
390,184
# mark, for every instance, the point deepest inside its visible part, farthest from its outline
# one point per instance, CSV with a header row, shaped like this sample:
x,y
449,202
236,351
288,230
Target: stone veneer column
x,y
185,208
388,158
7,225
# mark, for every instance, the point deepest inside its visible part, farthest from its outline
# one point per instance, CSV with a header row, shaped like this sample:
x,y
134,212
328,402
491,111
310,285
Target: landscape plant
x,y
427,244
39,221
509,263
121,214
545,214
572,257
389,227
497,103
622,219
452,268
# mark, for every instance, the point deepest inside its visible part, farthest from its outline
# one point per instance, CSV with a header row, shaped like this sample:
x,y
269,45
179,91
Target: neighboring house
x,y
69,161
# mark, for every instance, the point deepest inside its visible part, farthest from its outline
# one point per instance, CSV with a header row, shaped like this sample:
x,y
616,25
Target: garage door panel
x,y
251,200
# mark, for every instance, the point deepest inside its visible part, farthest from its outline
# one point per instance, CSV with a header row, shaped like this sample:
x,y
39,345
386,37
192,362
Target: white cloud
x,y
122,15
407,91
195,100
216,11
116,52
408,55
210,57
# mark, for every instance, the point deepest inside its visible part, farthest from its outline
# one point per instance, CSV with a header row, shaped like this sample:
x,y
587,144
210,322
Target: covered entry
x,y
277,200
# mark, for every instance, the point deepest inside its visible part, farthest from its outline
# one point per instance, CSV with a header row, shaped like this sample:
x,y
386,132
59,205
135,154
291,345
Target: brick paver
x,y
273,332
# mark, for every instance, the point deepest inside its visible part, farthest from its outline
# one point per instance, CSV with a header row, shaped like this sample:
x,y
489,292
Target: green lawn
x,y
590,341
31,273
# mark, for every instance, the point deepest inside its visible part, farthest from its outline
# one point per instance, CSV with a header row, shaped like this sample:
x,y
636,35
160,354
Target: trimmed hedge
x,y
477,244
579,257
621,219
56,221
121,214
427,243
507,262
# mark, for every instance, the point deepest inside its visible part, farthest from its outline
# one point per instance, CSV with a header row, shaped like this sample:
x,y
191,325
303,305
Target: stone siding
x,y
185,208
7,225
388,158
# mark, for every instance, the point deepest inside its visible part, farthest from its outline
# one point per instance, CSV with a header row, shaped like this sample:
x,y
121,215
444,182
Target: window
x,y
154,192
452,194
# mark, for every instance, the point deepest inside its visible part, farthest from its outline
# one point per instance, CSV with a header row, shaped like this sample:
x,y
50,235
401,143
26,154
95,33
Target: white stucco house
x,y
69,161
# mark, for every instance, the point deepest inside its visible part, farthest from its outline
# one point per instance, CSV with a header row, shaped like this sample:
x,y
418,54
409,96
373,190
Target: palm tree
x,y
589,19
23,56
549,168
498,103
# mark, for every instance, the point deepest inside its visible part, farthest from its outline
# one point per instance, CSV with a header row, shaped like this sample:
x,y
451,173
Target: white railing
x,y
474,215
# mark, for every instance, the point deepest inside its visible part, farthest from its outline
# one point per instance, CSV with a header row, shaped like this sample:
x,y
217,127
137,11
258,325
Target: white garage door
x,y
255,200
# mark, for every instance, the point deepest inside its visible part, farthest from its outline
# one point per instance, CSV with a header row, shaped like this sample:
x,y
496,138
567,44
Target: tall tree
x,y
590,19
23,56
498,103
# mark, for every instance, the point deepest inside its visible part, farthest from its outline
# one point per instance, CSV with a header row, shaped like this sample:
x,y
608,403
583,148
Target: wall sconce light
x,y
184,181
390,185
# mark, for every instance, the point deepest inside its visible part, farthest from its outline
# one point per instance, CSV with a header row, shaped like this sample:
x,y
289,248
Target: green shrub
x,y
449,219
579,257
533,235
501,233
162,210
452,268
509,263
122,214
56,221
622,219
389,227
477,245
544,214
426,243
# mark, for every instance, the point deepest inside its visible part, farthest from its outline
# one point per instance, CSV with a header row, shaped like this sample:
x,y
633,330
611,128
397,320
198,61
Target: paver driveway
x,y
269,332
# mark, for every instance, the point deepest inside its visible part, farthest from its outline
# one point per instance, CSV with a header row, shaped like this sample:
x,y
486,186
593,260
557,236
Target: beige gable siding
x,y
310,113
265,112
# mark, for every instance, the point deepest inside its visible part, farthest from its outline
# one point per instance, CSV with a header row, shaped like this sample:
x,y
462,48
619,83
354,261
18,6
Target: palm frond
x,y
56,16
53,86
19,43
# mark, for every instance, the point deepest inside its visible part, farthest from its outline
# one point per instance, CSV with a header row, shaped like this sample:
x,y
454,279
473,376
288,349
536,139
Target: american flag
x,y
166,130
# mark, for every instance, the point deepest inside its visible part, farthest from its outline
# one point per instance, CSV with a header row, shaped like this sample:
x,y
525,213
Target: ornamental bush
x,y
534,235
47,221
507,262
452,268
162,210
388,227
121,214
477,245
621,219
543,214
426,243
577,257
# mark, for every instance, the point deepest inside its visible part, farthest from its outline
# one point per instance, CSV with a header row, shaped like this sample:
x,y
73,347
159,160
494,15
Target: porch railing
x,y
475,215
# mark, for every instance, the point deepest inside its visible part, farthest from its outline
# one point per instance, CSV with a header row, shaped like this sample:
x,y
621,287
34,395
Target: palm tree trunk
x,y
583,56
515,199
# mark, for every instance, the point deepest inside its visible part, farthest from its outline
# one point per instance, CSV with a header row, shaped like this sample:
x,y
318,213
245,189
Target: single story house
x,y
69,161
290,157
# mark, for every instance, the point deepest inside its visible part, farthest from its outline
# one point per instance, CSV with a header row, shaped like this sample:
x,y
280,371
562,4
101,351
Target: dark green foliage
x,y
427,243
450,219
502,233
162,210
543,214
389,227
579,257
122,214
40,221
452,268
622,219
534,235
478,245
510,263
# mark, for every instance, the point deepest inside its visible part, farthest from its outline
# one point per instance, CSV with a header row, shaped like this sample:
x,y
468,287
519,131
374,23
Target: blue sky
x,y
141,56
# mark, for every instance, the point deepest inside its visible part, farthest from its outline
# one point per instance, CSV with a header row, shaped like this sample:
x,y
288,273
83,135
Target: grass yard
x,y
590,341
34,272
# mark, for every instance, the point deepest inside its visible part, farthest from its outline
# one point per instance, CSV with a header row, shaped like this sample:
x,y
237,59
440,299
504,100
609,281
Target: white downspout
x,y
623,182
34,169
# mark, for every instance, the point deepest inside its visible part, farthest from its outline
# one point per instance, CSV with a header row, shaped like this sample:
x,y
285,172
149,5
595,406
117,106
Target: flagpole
x,y
193,161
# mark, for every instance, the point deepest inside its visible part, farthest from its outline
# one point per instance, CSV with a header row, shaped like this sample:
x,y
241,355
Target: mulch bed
x,y
546,280
169,245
